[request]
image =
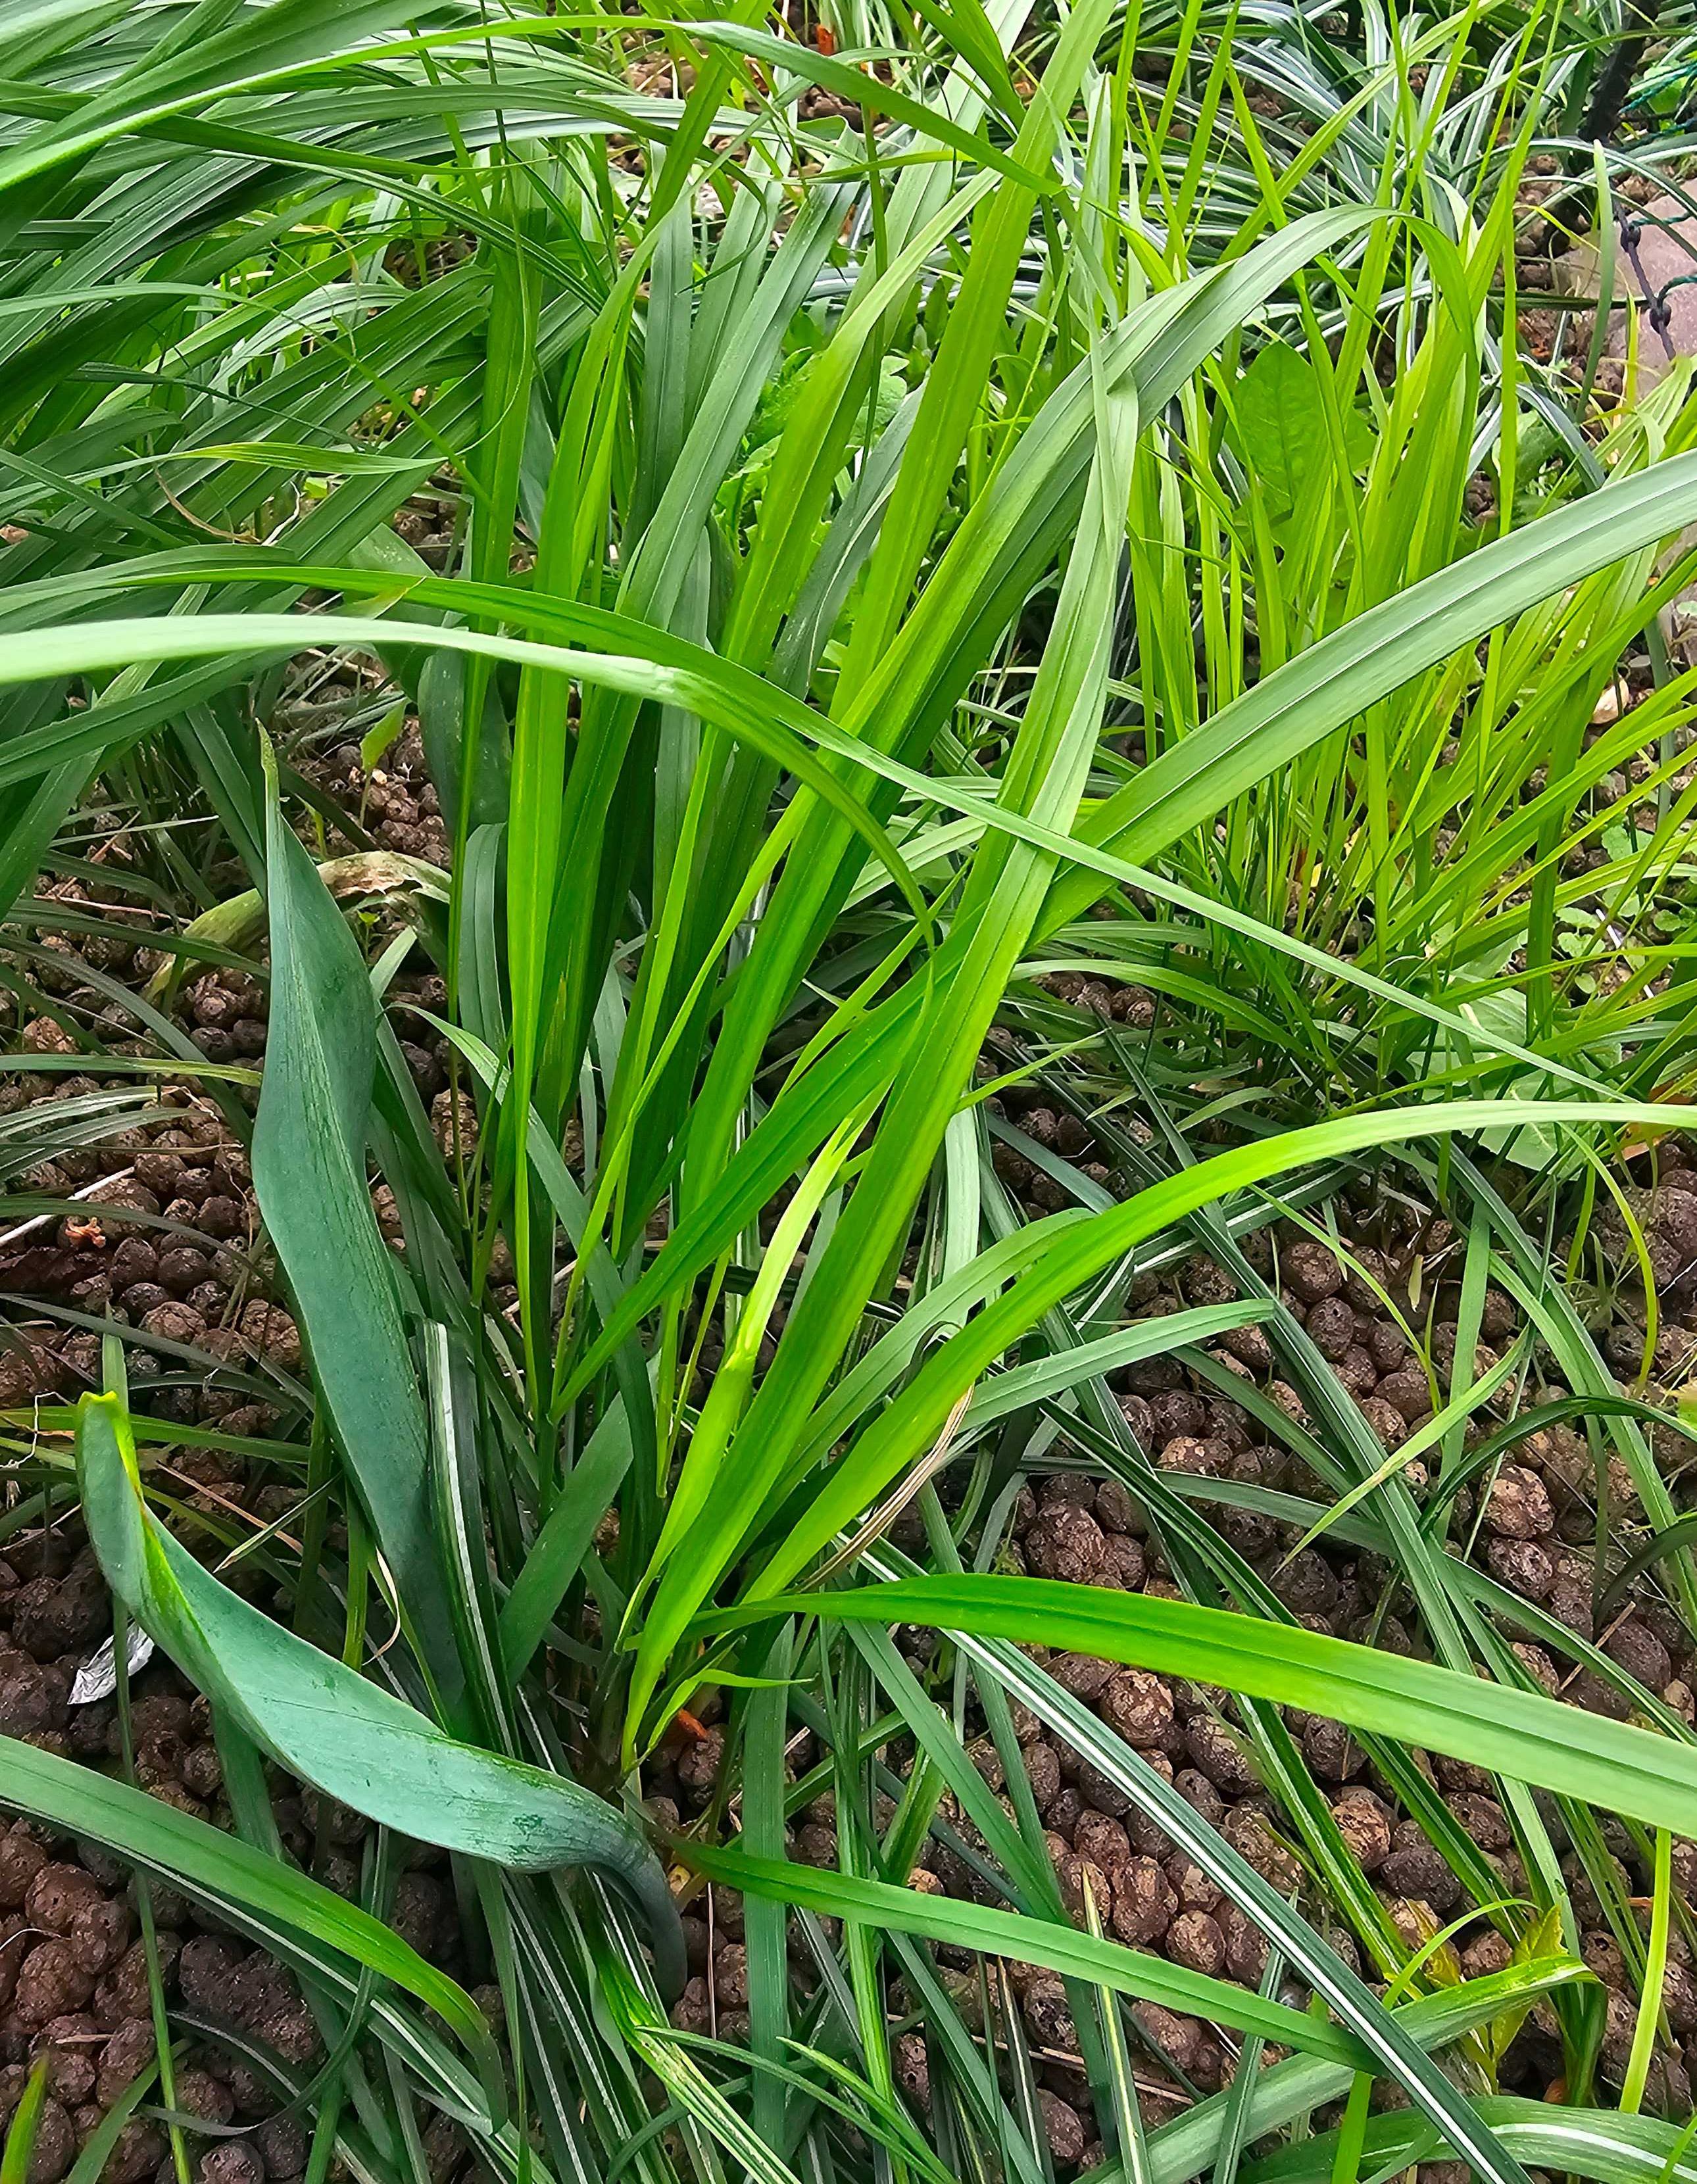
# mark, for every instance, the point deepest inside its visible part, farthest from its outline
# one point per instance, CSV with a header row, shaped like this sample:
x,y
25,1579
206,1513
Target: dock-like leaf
x,y
317,1718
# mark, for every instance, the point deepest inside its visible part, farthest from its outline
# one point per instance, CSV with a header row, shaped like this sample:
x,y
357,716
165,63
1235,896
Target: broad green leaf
x,y
327,1724
1282,428
309,1159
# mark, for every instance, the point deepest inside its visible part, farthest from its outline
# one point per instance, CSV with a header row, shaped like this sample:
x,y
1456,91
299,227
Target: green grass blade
x,y
1005,1933
1530,1739
18,2151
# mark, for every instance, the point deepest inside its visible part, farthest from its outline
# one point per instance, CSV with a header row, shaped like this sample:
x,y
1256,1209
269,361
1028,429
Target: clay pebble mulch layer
x,y
171,1248
1156,1897
74,1979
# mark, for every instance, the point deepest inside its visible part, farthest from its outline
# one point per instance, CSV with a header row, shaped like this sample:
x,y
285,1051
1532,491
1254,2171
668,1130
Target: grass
x,y
940,506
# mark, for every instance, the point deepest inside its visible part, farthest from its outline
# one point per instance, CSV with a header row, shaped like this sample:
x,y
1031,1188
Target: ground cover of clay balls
x,y
167,1243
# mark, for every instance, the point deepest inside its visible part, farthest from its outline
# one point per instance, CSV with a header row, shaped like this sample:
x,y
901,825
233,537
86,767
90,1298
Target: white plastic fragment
x,y
97,1677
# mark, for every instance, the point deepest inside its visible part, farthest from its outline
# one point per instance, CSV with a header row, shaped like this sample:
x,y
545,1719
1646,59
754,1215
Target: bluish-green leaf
x,y
326,1724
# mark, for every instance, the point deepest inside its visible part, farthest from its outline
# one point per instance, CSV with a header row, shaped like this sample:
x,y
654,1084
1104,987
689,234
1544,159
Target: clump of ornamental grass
x,y
632,609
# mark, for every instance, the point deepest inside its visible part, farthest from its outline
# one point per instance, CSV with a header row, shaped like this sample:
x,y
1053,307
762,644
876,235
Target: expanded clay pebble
x,y
1065,2128
1144,1903
1310,1270
1518,1504
1065,1541
1139,1706
1330,1325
